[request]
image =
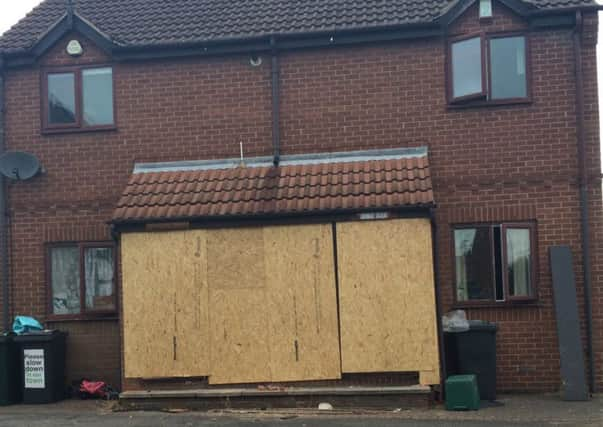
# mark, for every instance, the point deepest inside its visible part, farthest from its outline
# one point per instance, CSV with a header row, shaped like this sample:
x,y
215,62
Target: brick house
x,y
477,118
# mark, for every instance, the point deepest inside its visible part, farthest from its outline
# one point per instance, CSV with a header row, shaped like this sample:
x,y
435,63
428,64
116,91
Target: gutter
x,y
583,180
3,214
557,11
290,39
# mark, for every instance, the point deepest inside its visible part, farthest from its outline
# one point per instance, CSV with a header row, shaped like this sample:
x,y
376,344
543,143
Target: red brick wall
x,y
490,163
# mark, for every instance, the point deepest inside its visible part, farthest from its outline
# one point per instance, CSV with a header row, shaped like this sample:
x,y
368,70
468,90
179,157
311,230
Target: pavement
x,y
513,411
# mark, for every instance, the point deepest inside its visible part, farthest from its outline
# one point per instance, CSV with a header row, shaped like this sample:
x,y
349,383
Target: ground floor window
x,y
81,279
494,262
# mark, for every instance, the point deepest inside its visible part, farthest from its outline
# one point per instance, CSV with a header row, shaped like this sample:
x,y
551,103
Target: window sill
x,y
82,318
533,303
485,104
60,131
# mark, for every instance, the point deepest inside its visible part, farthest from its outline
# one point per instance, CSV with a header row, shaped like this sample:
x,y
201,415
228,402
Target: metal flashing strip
x,y
293,160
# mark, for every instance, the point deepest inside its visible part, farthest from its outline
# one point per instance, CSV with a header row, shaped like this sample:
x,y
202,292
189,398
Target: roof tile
x,y
319,188
165,22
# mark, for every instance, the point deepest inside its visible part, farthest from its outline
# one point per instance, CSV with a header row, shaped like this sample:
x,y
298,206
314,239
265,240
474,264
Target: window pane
x,y
466,67
97,88
518,262
65,277
61,98
508,67
99,267
473,254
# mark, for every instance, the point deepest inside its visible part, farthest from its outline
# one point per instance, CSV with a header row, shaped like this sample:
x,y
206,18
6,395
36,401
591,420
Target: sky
x,y
13,10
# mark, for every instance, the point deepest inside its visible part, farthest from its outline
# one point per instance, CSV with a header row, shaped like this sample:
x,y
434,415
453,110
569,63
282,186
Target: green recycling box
x,y
462,393
42,365
10,380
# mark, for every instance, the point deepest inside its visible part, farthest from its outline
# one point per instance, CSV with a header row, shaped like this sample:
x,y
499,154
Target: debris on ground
x,y
96,390
175,410
271,387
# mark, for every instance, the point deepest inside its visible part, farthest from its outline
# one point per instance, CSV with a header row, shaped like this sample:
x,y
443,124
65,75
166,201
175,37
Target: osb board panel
x,y
148,302
274,317
236,258
302,303
165,304
240,350
387,297
192,357
429,377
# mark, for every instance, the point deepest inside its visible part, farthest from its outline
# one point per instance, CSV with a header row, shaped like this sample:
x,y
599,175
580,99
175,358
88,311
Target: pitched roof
x,y
299,186
163,22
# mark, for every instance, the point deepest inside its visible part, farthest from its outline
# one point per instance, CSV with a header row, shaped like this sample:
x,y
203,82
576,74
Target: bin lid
x,y
40,336
475,326
482,325
6,338
465,378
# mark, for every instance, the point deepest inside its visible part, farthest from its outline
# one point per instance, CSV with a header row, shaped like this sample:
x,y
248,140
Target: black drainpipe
x,y
438,300
583,171
276,103
3,214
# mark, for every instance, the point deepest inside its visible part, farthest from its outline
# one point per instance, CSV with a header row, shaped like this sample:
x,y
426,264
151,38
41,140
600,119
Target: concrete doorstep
x,y
291,397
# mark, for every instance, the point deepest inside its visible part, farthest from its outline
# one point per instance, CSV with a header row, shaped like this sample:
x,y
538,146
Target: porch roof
x,y
318,184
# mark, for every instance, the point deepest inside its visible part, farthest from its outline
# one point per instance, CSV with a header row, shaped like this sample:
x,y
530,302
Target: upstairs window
x,y
78,99
491,69
82,280
494,263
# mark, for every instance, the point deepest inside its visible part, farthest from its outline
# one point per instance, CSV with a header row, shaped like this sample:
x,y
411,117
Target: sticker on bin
x,y
33,361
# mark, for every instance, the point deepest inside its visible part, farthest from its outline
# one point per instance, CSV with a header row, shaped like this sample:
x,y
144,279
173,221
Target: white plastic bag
x,y
455,321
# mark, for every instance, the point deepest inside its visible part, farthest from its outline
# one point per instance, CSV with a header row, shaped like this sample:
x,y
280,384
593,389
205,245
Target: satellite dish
x,y
19,166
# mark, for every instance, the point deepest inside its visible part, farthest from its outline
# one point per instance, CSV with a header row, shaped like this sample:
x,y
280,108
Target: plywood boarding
x,y
165,307
240,350
274,316
302,303
240,305
387,298
192,305
148,302
236,258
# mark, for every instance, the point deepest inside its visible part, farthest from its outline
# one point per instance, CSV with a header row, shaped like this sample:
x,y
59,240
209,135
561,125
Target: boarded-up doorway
x,y
260,304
